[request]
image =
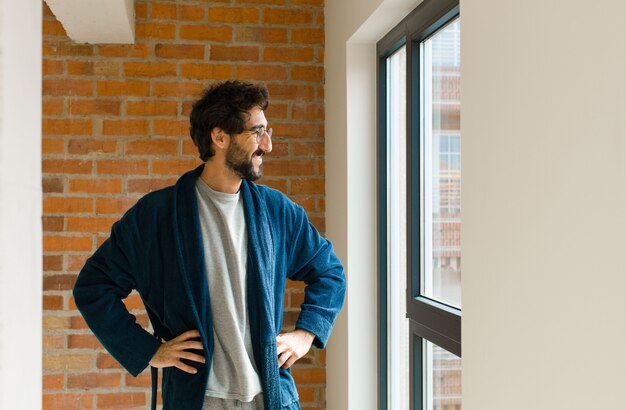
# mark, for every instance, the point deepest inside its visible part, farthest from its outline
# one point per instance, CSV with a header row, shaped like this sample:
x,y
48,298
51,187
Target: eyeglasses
x,y
259,132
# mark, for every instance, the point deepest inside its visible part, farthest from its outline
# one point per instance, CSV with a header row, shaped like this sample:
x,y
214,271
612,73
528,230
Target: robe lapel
x,y
190,252
260,286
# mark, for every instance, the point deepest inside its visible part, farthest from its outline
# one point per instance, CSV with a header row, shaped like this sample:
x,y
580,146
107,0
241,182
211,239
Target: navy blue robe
x,y
156,248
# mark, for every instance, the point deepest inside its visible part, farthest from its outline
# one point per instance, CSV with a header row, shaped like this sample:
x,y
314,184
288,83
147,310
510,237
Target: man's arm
x,y
107,278
311,259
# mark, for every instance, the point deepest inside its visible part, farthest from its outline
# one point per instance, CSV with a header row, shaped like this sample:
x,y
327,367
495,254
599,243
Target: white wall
x,y
20,204
544,194
352,28
544,201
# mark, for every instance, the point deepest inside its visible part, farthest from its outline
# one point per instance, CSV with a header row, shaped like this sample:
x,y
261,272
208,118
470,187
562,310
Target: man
x,y
210,257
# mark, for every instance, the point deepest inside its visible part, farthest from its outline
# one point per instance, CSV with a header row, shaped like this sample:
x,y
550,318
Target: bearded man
x,y
209,257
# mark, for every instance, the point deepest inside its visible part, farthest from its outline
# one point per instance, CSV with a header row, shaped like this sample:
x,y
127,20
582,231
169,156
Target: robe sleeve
x,y
107,278
312,260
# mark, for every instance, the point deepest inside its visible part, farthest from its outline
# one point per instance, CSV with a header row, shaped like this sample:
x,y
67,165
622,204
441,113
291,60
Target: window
x,y
419,220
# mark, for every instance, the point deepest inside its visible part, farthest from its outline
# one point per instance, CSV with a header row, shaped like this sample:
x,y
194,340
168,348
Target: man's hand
x,y
170,353
293,345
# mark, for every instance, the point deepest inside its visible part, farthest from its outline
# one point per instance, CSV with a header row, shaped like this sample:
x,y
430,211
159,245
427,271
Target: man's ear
x,y
220,138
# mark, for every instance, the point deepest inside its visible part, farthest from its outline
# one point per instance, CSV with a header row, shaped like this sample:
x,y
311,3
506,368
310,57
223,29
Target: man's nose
x,y
266,142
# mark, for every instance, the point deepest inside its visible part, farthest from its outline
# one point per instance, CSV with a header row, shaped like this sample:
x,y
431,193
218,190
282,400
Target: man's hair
x,y
224,105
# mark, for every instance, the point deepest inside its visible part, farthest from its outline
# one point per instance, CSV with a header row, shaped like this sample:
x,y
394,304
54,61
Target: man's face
x,y
244,156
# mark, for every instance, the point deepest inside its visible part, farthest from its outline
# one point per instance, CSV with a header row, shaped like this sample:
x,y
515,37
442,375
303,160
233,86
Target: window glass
x,y
442,378
441,158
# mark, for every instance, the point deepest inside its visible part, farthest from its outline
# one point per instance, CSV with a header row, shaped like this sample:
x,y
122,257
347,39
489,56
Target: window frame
x,y
428,319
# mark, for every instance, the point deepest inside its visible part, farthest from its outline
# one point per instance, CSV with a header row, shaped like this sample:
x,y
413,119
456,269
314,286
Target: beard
x,y
239,161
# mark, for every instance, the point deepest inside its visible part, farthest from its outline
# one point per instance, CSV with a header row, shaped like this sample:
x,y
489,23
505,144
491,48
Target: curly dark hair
x,y
224,105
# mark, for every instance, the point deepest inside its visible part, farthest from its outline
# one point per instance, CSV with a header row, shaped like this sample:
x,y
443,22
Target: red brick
x,y
289,167
178,89
309,375
65,48
106,361
280,184
145,185
93,107
67,361
125,88
77,322
276,111
180,51
307,186
308,149
66,126
189,148
141,10
66,166
75,263
234,53
114,205
163,11
295,130
53,106
133,302
290,54
121,400
53,381
154,30
52,67
261,72
174,128
52,223
261,35
206,71
268,2
65,87
173,166
96,185
52,262
307,73
53,28
152,108
52,302
191,13
90,224
152,147
138,50
53,145
143,380
318,3
305,202
204,32
151,69
306,394
93,380
56,243
122,167
308,35
320,17
58,282
125,127
290,92
83,342
88,146
53,322
80,67
66,401
308,111
287,16
279,149
234,14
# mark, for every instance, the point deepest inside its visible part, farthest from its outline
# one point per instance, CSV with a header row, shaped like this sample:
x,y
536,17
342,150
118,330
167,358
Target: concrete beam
x,y
96,21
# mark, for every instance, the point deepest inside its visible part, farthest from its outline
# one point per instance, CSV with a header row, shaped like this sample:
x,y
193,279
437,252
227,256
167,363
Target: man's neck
x,y
219,178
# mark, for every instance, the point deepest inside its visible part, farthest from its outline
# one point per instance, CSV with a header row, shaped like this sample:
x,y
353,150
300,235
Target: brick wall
x,y
115,126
